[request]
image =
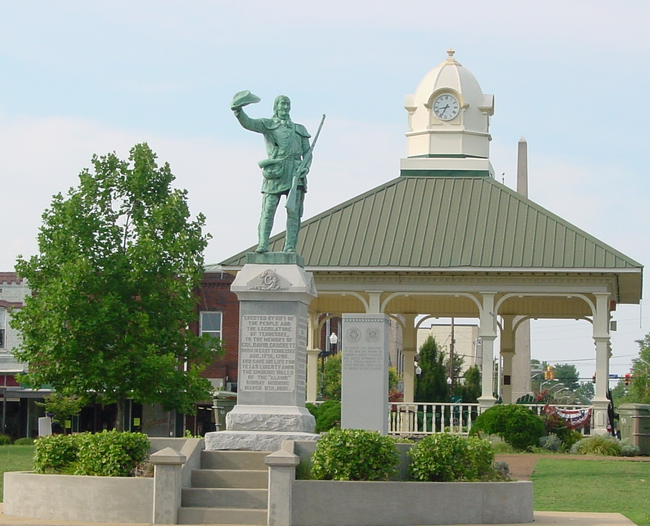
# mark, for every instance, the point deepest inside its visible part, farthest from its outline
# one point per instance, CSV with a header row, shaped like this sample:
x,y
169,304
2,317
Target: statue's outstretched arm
x,y
256,125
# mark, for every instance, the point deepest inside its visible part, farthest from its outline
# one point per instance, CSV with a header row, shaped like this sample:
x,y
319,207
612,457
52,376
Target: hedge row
x,y
108,454
354,454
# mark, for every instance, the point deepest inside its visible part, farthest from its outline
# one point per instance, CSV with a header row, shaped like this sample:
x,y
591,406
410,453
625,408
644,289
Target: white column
x,y
602,342
487,333
521,384
374,301
312,375
313,344
409,349
507,353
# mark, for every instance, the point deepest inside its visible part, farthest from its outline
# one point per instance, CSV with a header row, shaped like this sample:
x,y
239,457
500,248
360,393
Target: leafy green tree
x,y
393,378
62,407
457,370
585,393
640,383
332,378
621,394
470,389
568,375
431,384
113,289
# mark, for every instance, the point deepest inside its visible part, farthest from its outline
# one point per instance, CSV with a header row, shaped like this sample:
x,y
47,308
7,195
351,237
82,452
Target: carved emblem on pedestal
x,y
269,280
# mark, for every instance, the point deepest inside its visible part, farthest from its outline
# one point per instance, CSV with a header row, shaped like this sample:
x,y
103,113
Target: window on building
x,y
211,324
3,324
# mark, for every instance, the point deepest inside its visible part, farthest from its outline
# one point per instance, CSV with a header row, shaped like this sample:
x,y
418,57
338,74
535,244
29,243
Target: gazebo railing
x,y
428,418
419,419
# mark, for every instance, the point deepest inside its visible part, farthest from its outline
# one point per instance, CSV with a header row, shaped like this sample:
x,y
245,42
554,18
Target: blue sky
x,y
79,77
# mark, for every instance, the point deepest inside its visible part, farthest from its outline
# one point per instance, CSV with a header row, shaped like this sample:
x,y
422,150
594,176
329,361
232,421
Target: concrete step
x,y
221,516
230,478
234,460
224,498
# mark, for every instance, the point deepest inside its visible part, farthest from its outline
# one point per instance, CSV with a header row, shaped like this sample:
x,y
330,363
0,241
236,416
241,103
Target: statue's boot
x,y
263,233
291,239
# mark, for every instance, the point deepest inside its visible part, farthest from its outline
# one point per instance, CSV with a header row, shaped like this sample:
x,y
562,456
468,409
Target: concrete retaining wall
x,y
391,503
76,498
93,499
325,502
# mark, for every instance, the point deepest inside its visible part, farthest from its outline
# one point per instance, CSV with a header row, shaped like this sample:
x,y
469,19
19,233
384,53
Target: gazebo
x,y
445,239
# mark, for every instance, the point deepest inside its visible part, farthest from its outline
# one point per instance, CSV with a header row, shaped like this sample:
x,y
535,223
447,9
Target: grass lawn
x,y
15,458
599,486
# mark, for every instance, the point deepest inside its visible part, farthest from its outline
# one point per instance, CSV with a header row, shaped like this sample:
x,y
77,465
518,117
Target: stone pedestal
x,y
364,382
274,291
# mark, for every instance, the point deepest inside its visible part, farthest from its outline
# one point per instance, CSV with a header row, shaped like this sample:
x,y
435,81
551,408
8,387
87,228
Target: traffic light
x,y
593,378
549,374
627,380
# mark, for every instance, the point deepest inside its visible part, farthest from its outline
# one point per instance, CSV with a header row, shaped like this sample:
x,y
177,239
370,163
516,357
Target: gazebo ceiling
x,y
414,231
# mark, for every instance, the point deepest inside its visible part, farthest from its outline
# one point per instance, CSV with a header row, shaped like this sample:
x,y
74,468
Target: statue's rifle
x,y
291,198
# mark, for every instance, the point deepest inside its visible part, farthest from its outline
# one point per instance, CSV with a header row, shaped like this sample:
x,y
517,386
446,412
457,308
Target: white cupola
x,y
448,124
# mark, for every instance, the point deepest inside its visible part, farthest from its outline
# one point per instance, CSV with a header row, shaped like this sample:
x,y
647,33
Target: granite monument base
x,y
253,440
284,419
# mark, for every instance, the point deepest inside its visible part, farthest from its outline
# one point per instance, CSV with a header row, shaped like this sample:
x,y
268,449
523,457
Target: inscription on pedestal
x,y
267,353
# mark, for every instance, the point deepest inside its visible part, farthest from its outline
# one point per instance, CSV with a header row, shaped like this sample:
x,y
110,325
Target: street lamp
x,y
334,339
541,386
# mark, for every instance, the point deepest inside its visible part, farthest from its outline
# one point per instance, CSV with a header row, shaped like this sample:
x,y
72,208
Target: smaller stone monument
x,y
364,375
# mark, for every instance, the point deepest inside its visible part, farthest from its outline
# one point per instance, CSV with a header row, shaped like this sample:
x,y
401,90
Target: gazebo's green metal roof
x,y
448,223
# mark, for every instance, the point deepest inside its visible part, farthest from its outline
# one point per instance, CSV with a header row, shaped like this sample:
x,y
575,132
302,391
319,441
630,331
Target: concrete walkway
x,y
541,517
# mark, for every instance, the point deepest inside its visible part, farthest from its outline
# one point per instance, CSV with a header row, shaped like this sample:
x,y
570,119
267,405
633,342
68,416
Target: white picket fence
x,y
417,419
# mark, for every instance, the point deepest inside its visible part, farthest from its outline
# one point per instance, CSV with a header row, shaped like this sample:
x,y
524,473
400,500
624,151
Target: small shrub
x,y
354,454
481,457
498,445
556,425
550,442
25,441
629,450
111,453
598,445
327,415
55,453
570,439
518,425
5,440
449,458
108,454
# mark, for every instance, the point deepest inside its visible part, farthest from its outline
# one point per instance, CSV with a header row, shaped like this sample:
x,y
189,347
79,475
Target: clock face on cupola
x,y
449,119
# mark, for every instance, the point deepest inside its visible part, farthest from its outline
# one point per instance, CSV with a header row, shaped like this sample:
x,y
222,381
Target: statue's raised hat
x,y
243,98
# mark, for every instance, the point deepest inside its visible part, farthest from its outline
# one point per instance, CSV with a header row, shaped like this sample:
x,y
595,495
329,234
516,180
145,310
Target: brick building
x,y
219,316
218,310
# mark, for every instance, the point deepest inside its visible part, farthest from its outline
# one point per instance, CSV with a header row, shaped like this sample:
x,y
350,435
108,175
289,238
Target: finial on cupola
x,y
450,58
